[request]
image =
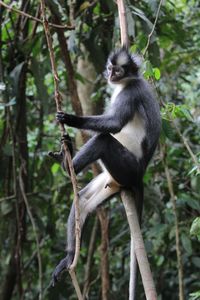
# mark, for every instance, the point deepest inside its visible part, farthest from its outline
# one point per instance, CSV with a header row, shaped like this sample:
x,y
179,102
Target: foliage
x,y
172,66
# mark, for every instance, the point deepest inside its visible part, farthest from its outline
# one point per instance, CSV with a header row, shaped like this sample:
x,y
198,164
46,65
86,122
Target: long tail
x,y
139,198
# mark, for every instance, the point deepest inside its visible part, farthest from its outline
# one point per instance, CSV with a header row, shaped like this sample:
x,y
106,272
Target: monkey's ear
x,y
137,60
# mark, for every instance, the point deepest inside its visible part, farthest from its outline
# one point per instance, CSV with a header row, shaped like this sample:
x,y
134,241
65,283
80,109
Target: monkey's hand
x,y
63,265
63,118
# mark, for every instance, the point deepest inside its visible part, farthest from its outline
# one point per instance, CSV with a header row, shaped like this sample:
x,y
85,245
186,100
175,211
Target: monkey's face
x,y
121,67
114,73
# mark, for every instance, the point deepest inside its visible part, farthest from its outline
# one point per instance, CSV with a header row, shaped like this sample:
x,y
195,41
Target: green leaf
x,y
186,242
186,112
96,9
160,260
148,70
6,207
156,73
7,149
196,261
138,12
186,199
167,129
15,75
85,5
195,228
194,169
55,168
195,296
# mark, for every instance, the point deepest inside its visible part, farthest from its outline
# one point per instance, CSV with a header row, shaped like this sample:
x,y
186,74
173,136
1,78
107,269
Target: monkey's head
x,y
122,66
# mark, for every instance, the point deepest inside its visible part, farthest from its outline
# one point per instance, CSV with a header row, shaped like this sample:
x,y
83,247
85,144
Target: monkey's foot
x,y
63,265
58,156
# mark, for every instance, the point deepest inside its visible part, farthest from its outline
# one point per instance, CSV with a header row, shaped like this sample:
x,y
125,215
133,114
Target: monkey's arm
x,y
113,121
101,123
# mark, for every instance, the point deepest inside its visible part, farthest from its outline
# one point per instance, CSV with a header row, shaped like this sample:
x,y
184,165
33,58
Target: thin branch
x,y
68,65
14,196
72,5
35,18
153,28
183,139
89,259
187,146
104,222
75,284
21,183
123,23
177,231
27,264
67,153
139,247
57,95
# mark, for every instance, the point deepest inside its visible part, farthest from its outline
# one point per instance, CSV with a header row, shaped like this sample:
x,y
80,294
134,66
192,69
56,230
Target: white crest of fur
x,y
137,59
122,59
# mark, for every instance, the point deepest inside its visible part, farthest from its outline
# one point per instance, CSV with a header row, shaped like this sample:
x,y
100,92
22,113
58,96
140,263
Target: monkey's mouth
x,y
114,78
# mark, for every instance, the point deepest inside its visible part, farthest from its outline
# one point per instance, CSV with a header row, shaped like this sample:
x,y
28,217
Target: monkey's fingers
x,y
56,155
67,139
61,117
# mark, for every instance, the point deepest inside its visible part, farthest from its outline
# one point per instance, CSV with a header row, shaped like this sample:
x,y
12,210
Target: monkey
x,y
126,136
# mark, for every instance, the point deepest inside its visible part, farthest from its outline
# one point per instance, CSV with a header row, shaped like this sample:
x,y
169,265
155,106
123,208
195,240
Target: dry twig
x,y
34,18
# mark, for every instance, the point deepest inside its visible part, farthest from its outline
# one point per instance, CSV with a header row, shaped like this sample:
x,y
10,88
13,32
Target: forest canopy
x,y
36,193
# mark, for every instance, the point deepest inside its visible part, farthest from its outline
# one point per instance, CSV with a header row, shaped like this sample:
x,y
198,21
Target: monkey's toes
x,y
63,265
58,270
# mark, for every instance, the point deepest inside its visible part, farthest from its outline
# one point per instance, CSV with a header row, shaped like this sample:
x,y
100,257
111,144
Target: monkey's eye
x,y
109,68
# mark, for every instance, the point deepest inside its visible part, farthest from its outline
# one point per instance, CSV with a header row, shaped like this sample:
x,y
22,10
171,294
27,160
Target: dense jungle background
x,y
36,194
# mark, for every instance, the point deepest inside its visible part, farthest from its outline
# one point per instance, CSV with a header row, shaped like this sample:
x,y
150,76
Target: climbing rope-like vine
x,y
68,159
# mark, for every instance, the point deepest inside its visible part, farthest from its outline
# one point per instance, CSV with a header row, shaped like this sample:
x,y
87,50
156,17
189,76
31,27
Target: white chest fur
x,y
117,89
132,135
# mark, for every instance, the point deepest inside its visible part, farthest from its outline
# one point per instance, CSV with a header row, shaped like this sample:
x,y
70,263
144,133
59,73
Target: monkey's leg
x,y
123,165
125,168
98,190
